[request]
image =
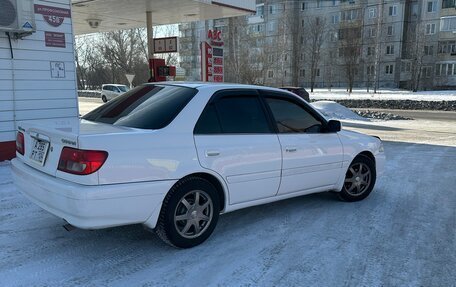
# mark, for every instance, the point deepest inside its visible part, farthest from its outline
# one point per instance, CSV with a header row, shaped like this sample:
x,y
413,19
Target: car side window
x,y
290,117
233,115
106,88
208,122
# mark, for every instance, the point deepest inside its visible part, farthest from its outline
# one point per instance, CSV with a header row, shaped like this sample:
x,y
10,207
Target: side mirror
x,y
334,126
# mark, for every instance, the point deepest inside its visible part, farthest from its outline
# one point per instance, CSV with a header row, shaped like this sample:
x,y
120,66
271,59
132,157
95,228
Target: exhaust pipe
x,y
68,227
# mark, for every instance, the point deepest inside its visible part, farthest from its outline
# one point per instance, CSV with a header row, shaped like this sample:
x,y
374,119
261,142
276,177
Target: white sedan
x,y
173,156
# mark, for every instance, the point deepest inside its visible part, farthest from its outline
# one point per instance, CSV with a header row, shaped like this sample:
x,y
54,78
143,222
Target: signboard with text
x,y
165,45
212,63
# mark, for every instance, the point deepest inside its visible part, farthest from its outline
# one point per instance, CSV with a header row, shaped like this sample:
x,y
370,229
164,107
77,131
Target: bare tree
x,y
378,46
417,42
351,52
315,32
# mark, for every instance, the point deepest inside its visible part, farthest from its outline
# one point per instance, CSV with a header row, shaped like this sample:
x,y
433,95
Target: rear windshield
x,y
144,107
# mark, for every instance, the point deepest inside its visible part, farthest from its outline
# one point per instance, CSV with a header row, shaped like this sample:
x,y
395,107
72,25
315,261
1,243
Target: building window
x,y
318,4
303,6
318,72
428,50
448,4
271,58
430,28
260,10
448,24
302,73
406,67
370,70
270,74
302,23
350,15
272,9
370,51
447,47
450,69
334,2
285,73
302,57
272,25
390,50
335,19
431,6
372,32
285,57
390,31
389,69
393,10
372,13
445,69
427,71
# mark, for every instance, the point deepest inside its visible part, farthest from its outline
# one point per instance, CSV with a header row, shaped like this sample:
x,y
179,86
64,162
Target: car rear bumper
x,y
92,207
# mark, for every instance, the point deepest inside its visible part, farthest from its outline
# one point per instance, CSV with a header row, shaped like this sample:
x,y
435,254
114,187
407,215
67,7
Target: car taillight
x,y
81,162
20,146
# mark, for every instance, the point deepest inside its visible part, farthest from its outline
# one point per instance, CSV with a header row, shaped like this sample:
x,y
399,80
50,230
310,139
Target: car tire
x,y
359,179
104,99
189,213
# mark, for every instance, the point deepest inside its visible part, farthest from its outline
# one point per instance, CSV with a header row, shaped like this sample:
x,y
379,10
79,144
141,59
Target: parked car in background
x,y
298,91
110,91
173,156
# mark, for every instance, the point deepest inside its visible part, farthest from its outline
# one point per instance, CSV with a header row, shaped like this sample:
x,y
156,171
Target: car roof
x,y
197,85
290,87
117,85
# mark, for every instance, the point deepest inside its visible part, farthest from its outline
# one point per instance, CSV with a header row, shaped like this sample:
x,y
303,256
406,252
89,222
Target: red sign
x,y
218,61
212,57
54,16
54,39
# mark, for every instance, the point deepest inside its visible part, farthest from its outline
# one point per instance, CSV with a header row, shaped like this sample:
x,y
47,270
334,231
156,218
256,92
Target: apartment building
x,y
371,43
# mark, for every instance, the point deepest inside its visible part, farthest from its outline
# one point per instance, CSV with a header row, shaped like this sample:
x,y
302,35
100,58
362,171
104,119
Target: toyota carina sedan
x,y
173,156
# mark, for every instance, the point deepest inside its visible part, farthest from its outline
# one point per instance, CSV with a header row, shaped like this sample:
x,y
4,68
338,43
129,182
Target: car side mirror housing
x,y
334,126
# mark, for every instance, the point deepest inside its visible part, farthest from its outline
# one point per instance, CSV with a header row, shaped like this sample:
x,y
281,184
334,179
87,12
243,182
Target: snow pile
x,y
377,115
333,110
361,94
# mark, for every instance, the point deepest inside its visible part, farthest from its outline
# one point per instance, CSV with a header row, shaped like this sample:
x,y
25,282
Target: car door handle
x,y
212,153
290,149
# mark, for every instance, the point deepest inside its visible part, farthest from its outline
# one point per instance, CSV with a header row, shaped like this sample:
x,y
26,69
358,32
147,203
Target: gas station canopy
x,y
90,16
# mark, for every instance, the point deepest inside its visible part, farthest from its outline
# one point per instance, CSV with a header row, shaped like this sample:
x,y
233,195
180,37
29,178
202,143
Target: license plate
x,y
39,151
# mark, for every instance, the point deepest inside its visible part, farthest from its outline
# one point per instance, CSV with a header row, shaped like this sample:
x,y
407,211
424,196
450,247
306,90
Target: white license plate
x,y
39,151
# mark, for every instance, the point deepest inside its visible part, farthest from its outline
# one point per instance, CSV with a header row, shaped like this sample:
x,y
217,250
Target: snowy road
x,y
404,234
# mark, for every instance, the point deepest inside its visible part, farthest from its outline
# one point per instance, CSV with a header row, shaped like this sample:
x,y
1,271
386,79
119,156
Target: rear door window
x,y
234,115
145,107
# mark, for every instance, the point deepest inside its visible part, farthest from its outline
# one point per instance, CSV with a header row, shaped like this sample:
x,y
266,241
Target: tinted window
x,y
290,117
106,88
145,107
241,115
208,122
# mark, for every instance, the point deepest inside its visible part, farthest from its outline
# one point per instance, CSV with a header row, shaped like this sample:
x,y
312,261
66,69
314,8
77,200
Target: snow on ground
x,y
342,94
401,235
333,110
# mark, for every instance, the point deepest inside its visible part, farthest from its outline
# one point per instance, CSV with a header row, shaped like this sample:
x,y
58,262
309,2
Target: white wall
x,y
27,90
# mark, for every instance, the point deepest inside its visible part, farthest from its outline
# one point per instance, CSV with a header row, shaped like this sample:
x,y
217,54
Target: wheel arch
x,y
218,183
367,154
